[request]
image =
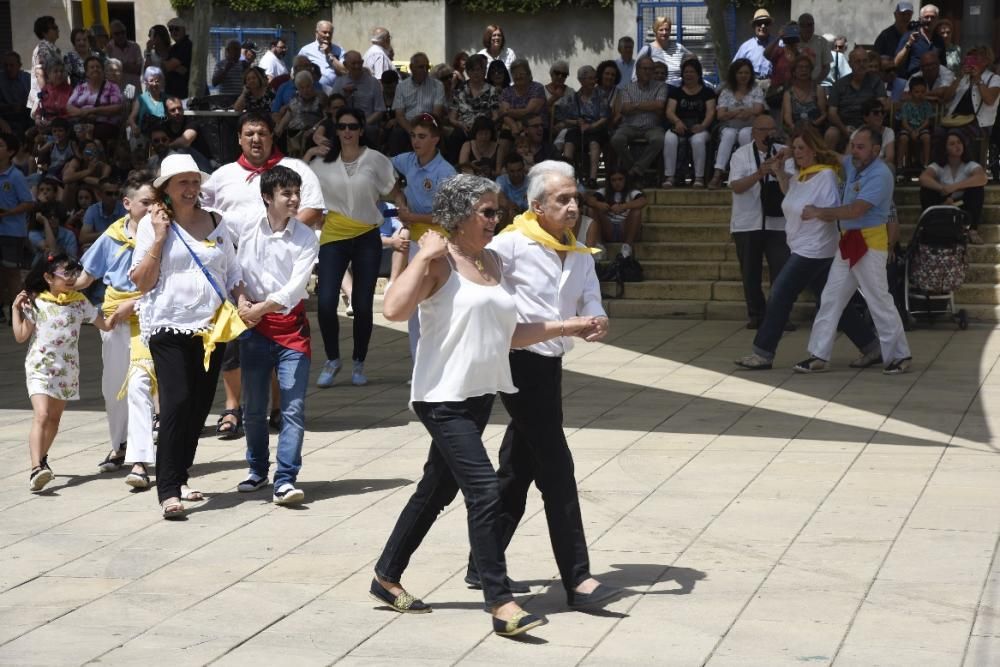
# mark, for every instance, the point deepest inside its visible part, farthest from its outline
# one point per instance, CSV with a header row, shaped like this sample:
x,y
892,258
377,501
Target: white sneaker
x,y
288,495
330,370
358,377
626,250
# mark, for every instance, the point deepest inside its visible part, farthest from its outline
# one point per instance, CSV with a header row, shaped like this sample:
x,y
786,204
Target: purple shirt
x,y
85,98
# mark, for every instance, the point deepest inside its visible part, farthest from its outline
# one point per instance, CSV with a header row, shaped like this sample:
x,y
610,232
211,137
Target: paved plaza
x,y
847,518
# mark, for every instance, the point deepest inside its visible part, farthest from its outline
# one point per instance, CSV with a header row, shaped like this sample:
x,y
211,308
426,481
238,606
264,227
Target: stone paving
x,y
755,518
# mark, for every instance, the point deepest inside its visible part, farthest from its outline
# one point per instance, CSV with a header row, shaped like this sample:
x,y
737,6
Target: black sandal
x,y
228,430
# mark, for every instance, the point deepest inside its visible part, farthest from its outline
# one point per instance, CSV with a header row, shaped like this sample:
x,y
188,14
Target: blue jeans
x,y
258,357
797,274
364,254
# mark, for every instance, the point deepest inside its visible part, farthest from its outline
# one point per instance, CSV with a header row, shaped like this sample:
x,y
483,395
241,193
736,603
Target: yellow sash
x,y
339,227
117,233
63,299
226,326
876,238
418,229
527,224
140,360
816,168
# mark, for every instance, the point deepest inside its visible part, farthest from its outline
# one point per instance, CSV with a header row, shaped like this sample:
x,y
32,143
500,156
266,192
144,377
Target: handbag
x,y
771,196
227,325
961,120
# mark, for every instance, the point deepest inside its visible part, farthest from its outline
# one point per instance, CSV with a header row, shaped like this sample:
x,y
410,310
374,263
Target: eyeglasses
x,y
490,213
72,274
354,127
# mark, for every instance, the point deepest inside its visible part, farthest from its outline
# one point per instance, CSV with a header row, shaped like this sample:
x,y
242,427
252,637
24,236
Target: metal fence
x,y
219,35
690,27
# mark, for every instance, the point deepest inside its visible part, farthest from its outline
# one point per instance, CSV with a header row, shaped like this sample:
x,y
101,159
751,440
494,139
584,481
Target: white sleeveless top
x,y
465,332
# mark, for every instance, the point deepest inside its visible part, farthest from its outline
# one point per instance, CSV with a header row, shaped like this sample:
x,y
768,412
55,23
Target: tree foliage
x,y
290,7
526,6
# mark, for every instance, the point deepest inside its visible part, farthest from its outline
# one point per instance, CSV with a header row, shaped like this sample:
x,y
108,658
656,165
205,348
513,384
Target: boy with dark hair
x,y
277,252
915,123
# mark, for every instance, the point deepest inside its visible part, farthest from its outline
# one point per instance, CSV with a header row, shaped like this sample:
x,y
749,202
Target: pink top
x,y
85,98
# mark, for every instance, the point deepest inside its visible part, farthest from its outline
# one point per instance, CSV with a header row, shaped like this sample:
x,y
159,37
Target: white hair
x,y
538,177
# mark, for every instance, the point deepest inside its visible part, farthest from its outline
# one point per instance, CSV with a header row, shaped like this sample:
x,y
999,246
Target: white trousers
x,y
869,274
699,152
727,137
129,419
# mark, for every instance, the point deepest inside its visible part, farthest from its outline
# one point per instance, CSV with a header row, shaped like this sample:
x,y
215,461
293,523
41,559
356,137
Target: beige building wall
x,y
860,21
421,27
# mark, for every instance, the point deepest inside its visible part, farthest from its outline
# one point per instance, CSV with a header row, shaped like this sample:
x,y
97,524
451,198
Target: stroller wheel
x,y
963,319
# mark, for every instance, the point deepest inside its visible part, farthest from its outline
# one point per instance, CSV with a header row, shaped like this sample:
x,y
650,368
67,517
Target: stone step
x,y
662,214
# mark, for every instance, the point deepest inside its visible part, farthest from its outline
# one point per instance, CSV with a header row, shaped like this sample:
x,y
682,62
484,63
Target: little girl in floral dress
x,y
50,313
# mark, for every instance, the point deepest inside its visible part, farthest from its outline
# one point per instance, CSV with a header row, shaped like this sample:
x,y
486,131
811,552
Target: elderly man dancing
x,y
552,277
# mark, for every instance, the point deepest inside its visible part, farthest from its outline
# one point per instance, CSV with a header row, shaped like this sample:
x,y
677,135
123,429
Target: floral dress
x,y
52,366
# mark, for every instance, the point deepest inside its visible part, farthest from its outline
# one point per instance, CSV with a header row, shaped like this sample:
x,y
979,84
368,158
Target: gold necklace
x,y
476,261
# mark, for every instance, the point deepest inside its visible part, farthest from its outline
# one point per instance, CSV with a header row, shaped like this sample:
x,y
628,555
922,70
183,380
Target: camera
x,y
913,25
770,141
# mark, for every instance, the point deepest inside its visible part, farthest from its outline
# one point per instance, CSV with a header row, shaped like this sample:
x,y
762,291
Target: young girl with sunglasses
x,y
50,313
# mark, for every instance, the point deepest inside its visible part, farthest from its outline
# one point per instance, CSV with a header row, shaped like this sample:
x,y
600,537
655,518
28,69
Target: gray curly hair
x,y
456,199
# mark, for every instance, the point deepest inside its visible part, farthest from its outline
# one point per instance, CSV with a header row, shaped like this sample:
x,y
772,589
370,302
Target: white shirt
x,y
944,79
230,193
356,196
812,239
747,212
547,289
948,176
986,114
276,266
506,57
272,65
377,61
182,298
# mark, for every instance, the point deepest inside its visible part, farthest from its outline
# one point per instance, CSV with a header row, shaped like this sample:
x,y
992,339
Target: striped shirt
x,y
413,99
633,93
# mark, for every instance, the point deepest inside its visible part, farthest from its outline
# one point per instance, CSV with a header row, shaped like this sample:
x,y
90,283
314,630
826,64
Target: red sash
x,y
275,158
853,246
291,330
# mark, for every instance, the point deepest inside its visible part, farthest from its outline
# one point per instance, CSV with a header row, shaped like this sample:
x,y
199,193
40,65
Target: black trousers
x,y
751,249
457,460
974,199
186,393
534,449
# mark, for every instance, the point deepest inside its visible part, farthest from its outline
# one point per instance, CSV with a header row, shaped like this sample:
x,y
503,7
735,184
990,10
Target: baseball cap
x,y
903,7
249,46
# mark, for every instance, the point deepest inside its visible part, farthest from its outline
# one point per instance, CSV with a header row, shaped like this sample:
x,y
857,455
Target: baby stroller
x,y
936,263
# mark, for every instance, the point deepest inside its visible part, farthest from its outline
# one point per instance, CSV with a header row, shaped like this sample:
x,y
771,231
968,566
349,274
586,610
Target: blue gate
x,y
690,27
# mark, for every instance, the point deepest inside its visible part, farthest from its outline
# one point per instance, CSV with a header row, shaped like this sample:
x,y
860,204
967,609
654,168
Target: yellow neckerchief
x,y
876,238
339,227
118,233
418,229
140,360
226,327
815,169
63,299
527,224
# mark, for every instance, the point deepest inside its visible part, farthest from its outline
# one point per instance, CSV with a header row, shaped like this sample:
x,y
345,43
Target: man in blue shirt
x,y
101,214
914,44
513,187
861,260
15,203
626,63
325,54
753,48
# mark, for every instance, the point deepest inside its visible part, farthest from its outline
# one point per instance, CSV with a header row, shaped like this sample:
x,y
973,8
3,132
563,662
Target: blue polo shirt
x,y
422,182
517,194
873,184
98,220
109,261
14,191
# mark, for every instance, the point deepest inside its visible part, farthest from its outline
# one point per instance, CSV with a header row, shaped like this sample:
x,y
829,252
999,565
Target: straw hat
x,y
761,16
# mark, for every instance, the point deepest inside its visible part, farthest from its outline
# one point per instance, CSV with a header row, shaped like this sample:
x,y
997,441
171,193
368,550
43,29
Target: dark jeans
x,y
973,198
534,449
364,254
751,249
457,460
798,274
186,392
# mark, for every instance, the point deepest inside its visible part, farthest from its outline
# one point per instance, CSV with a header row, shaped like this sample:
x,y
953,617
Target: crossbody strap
x,y
211,280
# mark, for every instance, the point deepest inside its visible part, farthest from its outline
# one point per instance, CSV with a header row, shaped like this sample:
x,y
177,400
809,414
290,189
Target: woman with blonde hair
x,y
812,177
664,50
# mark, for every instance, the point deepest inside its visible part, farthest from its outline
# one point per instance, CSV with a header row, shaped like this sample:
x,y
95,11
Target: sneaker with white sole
x,y
40,476
358,377
868,359
252,483
288,495
897,366
811,365
330,370
754,362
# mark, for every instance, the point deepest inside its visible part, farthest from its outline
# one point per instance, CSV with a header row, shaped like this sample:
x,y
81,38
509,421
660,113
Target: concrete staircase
x,y
691,269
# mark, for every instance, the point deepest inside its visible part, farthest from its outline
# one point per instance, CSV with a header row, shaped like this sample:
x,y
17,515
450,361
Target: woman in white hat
x,y
184,262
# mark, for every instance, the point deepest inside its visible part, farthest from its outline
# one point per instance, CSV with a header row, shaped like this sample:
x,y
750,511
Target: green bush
x,y
311,7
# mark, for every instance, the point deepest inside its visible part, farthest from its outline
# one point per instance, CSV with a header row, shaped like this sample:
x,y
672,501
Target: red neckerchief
x,y
291,330
276,156
853,246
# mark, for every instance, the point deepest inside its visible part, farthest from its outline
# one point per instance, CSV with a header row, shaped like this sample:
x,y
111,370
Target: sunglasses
x,y
490,213
354,127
